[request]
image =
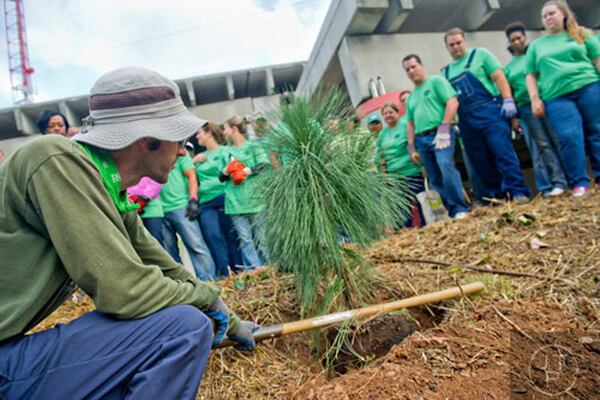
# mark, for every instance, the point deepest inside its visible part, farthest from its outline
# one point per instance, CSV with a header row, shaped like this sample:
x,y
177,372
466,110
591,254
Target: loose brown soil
x,y
375,338
490,346
485,359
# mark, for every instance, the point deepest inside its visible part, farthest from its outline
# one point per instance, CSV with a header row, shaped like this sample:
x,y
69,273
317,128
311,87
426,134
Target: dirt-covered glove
x,y
442,137
220,314
509,108
191,211
244,335
240,176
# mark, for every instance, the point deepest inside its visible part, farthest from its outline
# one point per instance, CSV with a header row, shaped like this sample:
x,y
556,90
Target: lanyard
x,y
110,177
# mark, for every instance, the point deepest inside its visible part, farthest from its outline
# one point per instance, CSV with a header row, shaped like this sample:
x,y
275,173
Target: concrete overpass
x,y
363,40
214,97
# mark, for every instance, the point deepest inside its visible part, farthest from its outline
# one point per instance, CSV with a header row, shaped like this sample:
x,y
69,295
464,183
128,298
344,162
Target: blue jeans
x,y
571,115
220,236
486,136
416,185
191,235
442,172
250,229
161,356
156,227
540,141
476,184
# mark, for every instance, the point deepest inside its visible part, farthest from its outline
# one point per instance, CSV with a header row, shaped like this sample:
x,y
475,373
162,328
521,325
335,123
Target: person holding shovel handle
x,y
66,222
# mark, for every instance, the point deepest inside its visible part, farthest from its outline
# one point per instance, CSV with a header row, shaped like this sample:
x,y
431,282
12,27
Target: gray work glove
x,y
220,314
244,335
442,137
509,108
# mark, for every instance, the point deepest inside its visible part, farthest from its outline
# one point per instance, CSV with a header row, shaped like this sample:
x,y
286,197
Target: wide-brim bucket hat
x,y
131,103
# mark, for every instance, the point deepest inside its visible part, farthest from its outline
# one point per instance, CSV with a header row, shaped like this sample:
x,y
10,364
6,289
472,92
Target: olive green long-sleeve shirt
x,y
60,229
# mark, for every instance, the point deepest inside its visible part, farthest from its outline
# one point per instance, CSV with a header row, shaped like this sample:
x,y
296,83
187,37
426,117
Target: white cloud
x,y
72,42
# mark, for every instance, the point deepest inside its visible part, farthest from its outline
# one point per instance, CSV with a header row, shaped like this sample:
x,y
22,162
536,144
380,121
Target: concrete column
x,y
25,124
478,13
270,82
230,87
344,17
395,16
68,112
189,85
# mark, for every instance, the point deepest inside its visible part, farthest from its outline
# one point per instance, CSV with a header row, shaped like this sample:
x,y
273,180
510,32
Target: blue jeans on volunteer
x,y
177,223
442,172
575,118
550,178
220,236
102,357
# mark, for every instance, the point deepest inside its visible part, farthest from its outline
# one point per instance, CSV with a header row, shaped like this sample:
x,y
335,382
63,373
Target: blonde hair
x,y
241,123
215,130
574,30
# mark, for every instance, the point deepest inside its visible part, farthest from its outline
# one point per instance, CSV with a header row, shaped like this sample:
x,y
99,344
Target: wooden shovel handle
x,y
323,321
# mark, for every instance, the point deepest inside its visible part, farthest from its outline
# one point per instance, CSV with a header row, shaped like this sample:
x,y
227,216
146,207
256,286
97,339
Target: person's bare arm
x,y
450,111
190,175
410,134
502,84
537,105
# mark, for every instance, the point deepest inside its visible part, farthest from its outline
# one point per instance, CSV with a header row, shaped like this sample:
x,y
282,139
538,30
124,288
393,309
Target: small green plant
x,y
327,191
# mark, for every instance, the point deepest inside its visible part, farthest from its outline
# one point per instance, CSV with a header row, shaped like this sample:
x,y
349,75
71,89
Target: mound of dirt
x,y
519,350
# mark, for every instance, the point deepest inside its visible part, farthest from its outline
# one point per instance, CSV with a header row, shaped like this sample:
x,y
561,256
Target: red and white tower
x,y
18,55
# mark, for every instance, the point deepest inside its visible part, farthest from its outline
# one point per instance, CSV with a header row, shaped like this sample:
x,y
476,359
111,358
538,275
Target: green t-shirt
x,y
153,209
427,103
245,198
392,146
484,64
561,64
175,193
515,71
208,174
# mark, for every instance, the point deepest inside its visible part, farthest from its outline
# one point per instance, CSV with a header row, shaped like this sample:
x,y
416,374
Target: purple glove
x,y
442,137
509,108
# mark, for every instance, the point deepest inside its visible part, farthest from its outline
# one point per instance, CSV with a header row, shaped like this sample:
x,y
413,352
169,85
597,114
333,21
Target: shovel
x,y
278,330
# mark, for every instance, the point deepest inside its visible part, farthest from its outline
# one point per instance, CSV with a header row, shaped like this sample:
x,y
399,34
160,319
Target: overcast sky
x,y
72,42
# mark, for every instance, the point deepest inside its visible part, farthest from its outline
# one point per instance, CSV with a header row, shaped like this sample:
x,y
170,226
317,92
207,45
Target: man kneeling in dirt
x,y
66,222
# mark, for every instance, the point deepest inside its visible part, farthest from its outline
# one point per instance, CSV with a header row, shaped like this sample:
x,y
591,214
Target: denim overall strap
x,y
470,92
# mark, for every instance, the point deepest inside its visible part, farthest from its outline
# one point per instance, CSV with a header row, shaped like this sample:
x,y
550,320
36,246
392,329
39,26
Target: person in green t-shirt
x,y
245,159
550,178
430,109
179,198
217,226
486,106
563,81
393,157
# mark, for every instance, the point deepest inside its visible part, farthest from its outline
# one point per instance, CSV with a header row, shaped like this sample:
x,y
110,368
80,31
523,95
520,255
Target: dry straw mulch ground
x,y
477,350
